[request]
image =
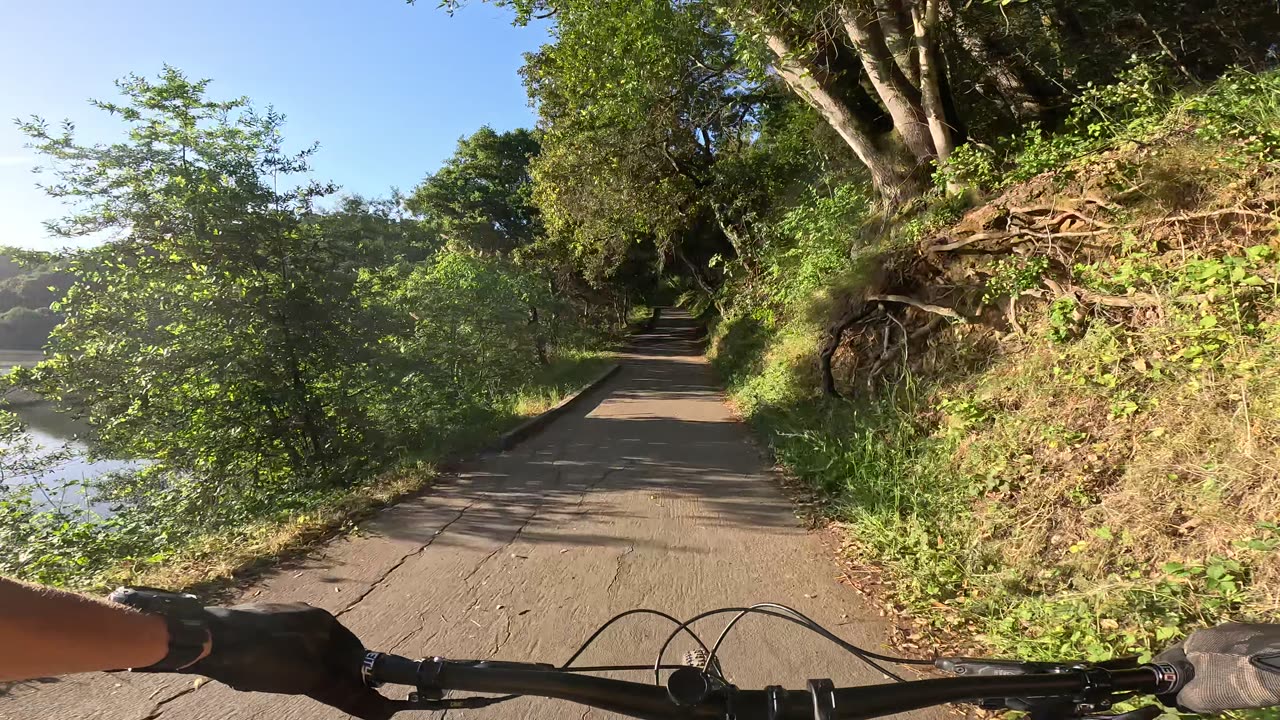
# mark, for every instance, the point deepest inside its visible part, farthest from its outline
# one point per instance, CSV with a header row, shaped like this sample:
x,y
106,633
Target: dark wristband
x,y
184,617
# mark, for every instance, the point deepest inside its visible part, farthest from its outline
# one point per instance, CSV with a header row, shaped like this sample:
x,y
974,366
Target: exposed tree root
x,y
919,305
1042,222
1072,221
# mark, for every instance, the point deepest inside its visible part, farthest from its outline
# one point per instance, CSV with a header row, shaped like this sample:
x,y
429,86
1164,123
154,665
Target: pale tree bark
x,y
924,17
738,237
895,21
891,177
703,285
900,97
1025,104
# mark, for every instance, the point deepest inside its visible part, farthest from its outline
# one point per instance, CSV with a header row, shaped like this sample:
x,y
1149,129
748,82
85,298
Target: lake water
x,y
65,485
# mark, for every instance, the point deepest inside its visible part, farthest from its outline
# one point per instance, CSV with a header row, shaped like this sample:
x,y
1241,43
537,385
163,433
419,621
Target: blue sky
x,y
385,88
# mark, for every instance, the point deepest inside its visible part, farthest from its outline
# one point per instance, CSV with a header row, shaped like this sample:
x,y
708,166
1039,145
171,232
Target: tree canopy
x,y
482,197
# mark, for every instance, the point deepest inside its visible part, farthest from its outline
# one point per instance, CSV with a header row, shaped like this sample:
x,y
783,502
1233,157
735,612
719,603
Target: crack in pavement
x,y
399,563
394,647
466,580
597,483
159,709
497,644
617,569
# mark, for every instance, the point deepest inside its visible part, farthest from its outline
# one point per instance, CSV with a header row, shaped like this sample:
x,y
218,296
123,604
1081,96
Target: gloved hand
x,y
293,649
1236,666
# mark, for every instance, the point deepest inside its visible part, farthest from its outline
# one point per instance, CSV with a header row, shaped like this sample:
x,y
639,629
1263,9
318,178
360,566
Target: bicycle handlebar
x,y
822,701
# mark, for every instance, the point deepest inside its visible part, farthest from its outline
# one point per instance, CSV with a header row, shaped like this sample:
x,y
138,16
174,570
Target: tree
x,y
221,331
860,63
383,226
902,82
482,196
24,328
638,102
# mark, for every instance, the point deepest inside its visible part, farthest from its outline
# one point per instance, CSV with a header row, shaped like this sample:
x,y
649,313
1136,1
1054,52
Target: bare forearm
x,y
48,632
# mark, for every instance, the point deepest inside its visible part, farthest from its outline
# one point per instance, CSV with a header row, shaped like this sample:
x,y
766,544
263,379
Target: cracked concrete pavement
x,y
647,494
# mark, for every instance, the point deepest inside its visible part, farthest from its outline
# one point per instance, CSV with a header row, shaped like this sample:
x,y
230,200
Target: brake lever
x,y
1150,712
985,667
463,703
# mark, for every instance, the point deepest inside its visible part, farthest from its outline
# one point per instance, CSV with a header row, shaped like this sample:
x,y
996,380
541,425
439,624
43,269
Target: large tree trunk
x,y
900,97
539,340
1024,103
924,18
891,176
895,21
847,80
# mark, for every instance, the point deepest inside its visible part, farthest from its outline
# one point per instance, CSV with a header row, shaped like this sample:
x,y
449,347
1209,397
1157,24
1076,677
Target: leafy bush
x,y
940,210
1013,275
1242,107
1133,107
1245,108
812,241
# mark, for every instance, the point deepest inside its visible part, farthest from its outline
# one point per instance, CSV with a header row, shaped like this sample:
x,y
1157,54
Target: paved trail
x,y
646,495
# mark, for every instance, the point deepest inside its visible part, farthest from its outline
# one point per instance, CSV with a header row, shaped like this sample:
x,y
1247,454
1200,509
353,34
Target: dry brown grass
x,y
218,561
1105,457
1191,468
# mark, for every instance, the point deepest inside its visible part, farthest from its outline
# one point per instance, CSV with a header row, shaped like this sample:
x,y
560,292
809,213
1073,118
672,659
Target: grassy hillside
x,y
1059,430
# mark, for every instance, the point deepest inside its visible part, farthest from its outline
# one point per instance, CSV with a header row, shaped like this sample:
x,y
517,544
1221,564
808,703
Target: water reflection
x,y
69,485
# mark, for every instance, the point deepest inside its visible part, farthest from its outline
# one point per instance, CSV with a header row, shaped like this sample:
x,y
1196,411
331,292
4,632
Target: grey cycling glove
x,y
1236,666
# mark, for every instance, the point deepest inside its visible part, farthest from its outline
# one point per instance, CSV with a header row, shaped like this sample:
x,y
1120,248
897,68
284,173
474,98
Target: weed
x,y
1064,319
1012,275
1244,108
940,211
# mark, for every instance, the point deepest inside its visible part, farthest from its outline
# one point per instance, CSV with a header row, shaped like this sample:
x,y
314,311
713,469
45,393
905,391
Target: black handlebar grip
x,y
1235,667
